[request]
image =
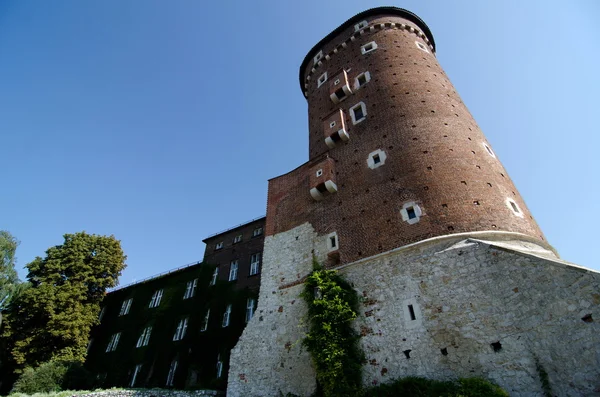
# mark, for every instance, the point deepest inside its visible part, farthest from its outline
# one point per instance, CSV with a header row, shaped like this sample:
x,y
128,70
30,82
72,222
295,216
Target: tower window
x,y
358,112
340,94
361,80
365,49
411,213
360,26
322,79
319,172
421,46
318,57
233,270
411,312
490,152
332,124
332,241
514,207
376,159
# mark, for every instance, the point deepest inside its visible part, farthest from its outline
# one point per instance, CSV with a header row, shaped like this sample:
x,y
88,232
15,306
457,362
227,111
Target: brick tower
x,y
400,185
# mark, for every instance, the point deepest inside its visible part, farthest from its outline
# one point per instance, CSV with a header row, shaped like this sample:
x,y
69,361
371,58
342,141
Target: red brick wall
x,y
241,251
435,155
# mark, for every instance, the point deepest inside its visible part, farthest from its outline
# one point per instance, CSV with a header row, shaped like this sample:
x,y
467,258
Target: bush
x,y
53,376
473,387
422,387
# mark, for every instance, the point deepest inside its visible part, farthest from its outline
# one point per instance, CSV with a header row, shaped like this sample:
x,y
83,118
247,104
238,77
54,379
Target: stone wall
x,y
492,305
151,393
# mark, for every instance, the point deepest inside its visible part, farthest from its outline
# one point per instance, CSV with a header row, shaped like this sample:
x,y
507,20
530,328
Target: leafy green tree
x,y
52,319
8,275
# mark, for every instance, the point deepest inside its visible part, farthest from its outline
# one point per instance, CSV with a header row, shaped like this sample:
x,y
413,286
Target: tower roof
x,y
401,12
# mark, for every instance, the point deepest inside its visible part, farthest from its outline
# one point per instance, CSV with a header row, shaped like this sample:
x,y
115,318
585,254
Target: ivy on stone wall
x,y
196,353
331,340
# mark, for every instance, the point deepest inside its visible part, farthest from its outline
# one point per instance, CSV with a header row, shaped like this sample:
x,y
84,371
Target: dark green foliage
x,y
197,352
331,340
8,274
52,319
544,379
53,376
422,387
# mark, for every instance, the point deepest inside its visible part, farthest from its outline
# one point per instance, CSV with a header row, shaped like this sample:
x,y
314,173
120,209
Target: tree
x,y
8,274
52,319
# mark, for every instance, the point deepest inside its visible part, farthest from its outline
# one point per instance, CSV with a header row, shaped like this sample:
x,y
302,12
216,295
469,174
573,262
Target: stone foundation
x,y
489,305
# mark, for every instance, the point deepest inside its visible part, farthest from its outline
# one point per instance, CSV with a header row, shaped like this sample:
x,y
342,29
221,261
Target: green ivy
x,y
331,340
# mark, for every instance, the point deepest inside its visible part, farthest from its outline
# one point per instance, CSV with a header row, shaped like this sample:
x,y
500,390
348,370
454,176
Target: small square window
x,y
319,173
322,79
365,49
318,57
336,82
360,26
376,159
358,112
411,213
332,124
361,80
514,207
421,46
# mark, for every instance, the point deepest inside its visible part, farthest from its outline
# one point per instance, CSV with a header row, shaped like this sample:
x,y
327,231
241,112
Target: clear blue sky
x,y
161,121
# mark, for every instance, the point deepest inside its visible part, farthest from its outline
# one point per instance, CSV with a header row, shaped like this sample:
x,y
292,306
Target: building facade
x,y
403,195
177,329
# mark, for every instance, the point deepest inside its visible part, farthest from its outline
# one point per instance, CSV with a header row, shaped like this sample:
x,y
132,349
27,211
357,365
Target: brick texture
x,y
436,154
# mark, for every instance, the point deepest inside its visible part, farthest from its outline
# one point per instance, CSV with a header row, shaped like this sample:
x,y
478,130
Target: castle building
x,y
403,194
176,330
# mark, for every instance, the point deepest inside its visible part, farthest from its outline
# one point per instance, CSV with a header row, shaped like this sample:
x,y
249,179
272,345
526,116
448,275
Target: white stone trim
x,y
319,172
322,79
369,47
514,207
489,150
317,58
405,215
410,321
367,76
393,25
330,245
361,25
330,186
316,194
371,159
422,46
473,236
353,115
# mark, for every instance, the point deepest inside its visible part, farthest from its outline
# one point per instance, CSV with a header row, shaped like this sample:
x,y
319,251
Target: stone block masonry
x,y
496,306
151,393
